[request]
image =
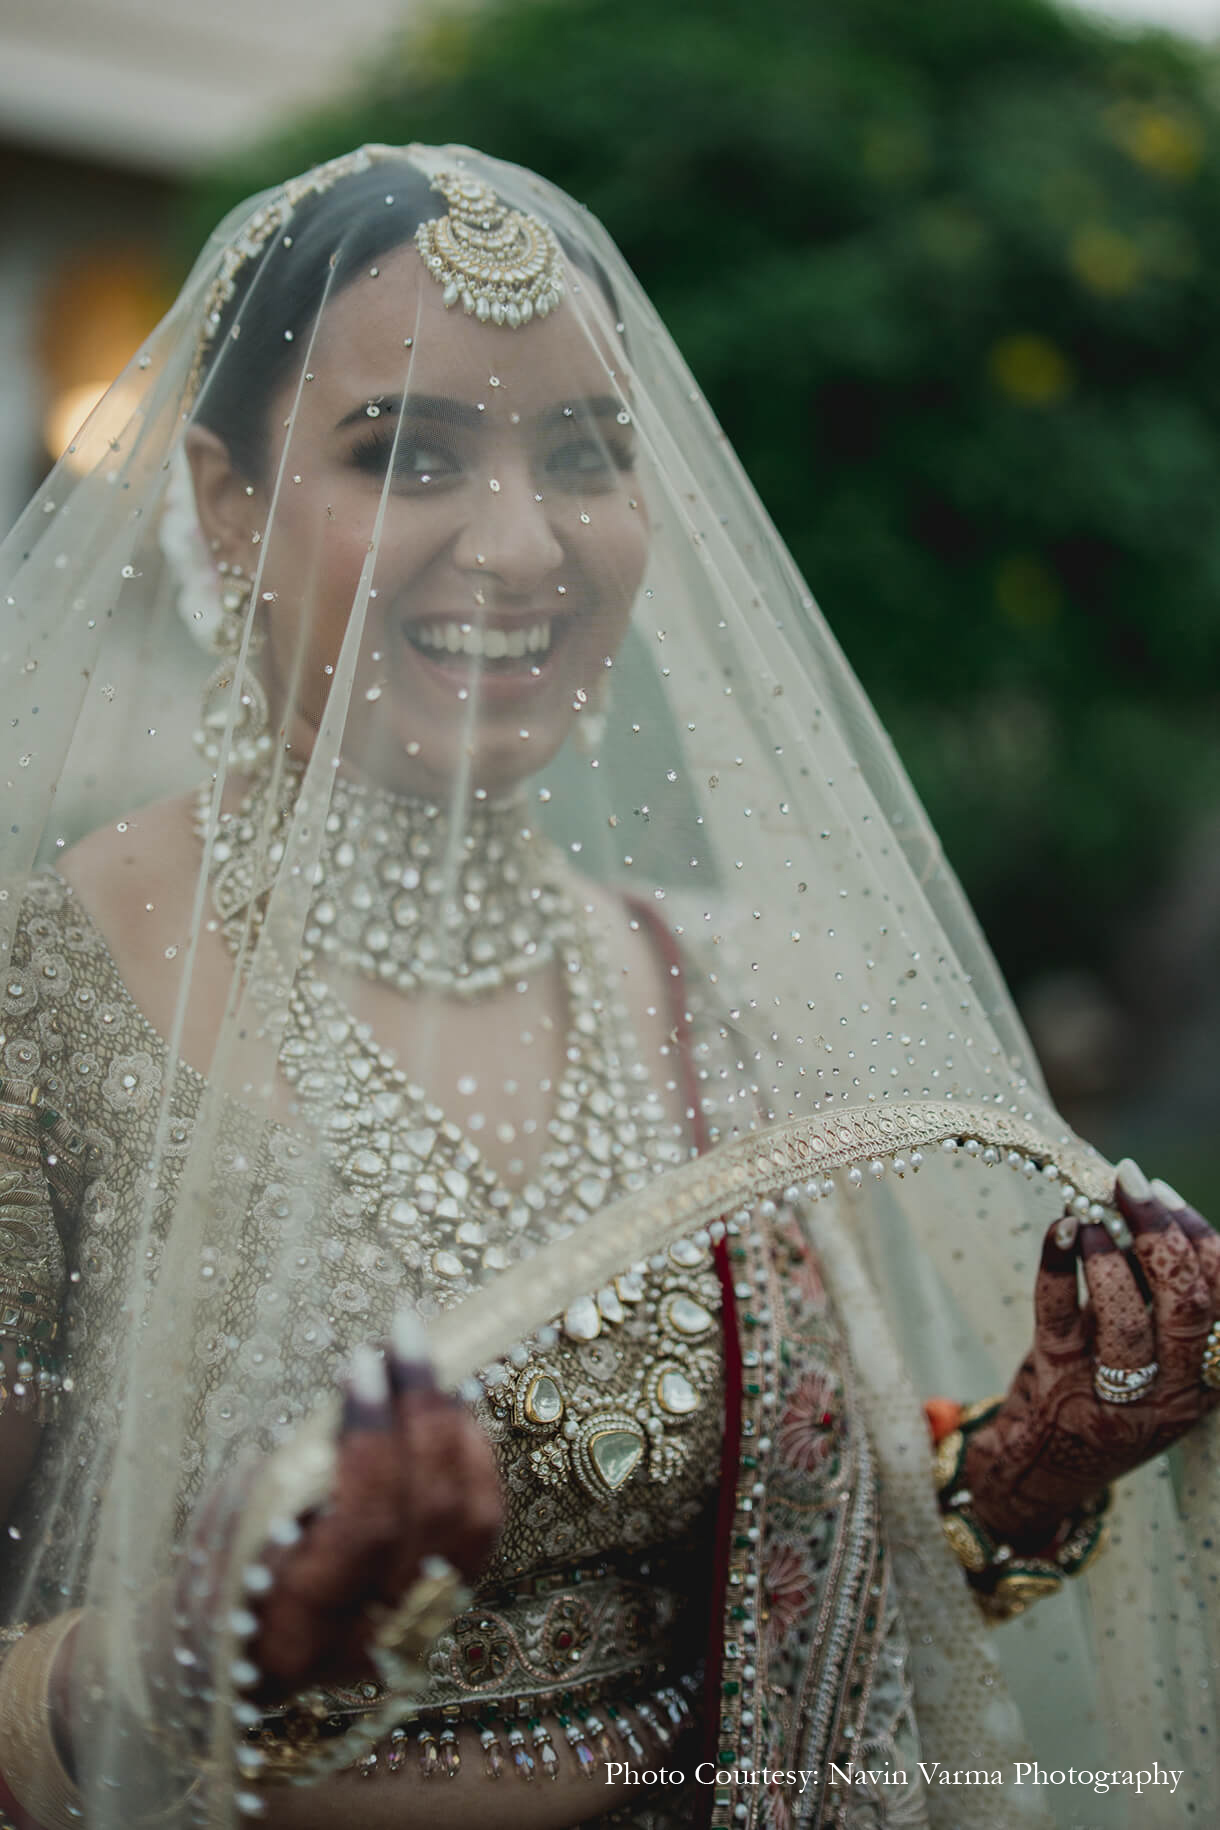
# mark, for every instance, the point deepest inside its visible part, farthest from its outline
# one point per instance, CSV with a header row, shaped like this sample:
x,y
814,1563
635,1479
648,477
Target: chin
x,y
502,759
499,766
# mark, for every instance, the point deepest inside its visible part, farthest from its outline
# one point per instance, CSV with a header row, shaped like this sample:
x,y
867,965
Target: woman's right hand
x,y
415,1478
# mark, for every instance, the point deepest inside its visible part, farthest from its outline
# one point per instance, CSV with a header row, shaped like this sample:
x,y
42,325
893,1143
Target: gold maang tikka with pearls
x,y
500,265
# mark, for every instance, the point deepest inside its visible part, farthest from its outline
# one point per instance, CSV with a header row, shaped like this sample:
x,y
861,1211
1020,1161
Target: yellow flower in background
x,y
1029,369
1027,591
1105,260
1166,141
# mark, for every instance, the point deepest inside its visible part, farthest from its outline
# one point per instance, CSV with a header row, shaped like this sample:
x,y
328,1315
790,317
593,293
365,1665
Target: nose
x,y
508,534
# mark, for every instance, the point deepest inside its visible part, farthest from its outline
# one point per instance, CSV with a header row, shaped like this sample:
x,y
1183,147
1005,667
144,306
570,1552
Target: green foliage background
x,y
947,274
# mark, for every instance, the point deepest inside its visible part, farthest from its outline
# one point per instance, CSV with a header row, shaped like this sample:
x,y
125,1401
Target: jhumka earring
x,y
251,739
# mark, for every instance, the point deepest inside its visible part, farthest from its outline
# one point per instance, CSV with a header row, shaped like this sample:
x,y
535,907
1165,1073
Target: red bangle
x,y
944,1415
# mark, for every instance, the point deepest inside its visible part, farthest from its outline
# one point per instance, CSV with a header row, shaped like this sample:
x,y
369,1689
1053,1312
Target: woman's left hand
x,y
1055,1443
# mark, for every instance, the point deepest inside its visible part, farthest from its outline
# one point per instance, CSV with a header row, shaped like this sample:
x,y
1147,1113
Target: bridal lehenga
x,y
447,863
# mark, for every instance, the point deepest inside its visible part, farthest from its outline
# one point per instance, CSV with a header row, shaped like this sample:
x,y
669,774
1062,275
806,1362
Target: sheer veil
x,y
698,760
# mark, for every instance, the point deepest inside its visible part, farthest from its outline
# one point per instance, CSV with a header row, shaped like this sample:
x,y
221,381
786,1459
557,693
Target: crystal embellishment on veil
x,y
266,222
501,266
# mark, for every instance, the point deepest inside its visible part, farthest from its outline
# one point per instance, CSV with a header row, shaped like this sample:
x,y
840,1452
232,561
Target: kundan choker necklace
x,y
401,896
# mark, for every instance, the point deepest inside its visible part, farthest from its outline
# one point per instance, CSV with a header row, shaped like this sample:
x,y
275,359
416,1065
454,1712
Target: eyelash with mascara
x,y
373,451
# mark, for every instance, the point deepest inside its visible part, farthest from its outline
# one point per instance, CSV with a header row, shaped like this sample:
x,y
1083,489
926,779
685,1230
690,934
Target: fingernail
x,y
1167,1195
1148,1215
408,1336
410,1365
285,1532
1132,1180
1094,1240
366,1402
1118,1230
1059,1260
1065,1232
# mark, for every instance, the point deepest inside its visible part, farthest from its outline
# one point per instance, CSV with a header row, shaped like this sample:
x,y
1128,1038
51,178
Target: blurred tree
x,y
946,274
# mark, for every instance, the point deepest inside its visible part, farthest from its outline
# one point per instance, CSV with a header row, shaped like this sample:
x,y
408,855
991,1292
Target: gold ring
x,y
405,1632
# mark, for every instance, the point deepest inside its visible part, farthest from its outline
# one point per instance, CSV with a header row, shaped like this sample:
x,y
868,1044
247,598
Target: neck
x,y
460,900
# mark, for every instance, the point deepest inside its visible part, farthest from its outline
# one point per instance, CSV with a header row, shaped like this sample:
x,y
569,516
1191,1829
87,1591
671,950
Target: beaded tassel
x,y
601,1736
675,1707
622,1722
396,1752
429,1753
575,1736
451,1753
652,1722
544,1749
493,1753
36,1385
25,1392
522,1759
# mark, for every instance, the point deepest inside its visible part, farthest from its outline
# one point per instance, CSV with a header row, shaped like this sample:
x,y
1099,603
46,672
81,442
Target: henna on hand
x,y
416,1477
1054,1444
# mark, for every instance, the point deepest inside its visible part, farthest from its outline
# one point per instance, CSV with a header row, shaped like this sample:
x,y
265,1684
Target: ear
x,y
229,506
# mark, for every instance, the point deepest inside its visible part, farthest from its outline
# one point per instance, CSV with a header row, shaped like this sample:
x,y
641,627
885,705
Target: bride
x,y
551,993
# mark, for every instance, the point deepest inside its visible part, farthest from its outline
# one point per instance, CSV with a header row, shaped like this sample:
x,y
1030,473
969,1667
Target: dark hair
x,y
330,240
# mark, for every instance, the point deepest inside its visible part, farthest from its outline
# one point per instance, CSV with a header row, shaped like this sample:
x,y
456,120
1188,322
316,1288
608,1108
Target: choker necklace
x,y
399,896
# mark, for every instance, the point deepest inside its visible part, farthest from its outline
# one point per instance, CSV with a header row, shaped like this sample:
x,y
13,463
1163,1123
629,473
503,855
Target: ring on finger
x,y
436,1595
1211,1358
1127,1384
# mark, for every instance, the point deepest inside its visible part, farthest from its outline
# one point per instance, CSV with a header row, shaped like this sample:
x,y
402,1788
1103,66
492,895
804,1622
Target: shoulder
x,y
642,955
118,869
137,881
92,968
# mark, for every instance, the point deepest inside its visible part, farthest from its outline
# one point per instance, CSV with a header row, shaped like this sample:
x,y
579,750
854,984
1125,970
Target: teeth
x,y
486,644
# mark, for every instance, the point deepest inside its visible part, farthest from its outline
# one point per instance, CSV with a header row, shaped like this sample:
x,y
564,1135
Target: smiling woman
x,y
474,487
531,1108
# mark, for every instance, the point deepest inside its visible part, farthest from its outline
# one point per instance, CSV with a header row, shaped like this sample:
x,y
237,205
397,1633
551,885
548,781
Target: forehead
x,y
389,330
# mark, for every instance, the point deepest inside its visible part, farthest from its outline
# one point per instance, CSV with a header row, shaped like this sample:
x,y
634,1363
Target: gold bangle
x,y
29,1758
32,1768
1005,1581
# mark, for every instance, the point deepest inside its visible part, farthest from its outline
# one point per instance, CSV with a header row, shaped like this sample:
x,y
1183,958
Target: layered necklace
x,y
400,899
400,894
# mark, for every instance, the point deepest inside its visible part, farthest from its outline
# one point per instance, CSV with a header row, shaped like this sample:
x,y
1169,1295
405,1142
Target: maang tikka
x,y
500,265
250,742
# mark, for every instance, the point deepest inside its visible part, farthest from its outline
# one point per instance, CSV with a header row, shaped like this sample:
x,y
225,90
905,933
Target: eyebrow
x,y
459,413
